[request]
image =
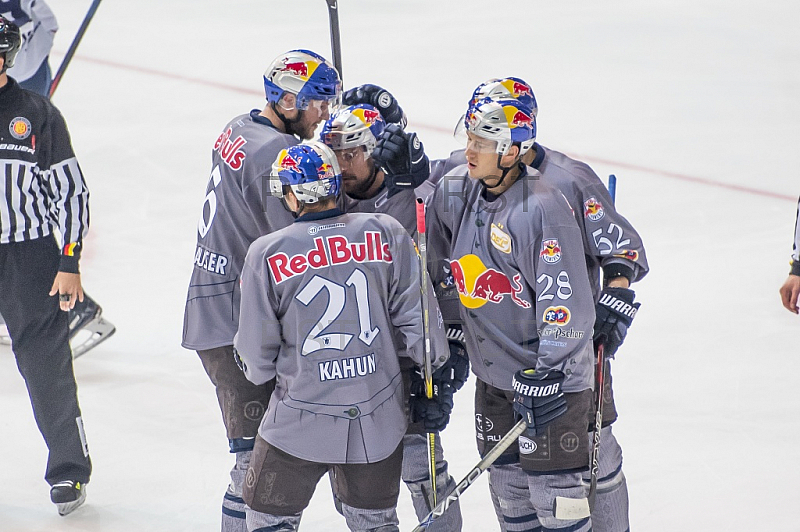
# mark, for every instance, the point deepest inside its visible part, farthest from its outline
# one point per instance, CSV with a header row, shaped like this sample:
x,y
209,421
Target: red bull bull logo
x,y
517,118
298,69
325,170
551,251
368,116
477,284
289,163
593,210
520,89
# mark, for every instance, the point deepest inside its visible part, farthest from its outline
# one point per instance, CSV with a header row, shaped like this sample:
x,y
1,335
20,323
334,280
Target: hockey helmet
x,y
305,74
353,126
507,122
310,170
507,89
10,41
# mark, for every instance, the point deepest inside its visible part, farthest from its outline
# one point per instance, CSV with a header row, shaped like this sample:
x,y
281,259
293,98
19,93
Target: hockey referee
x,y
41,190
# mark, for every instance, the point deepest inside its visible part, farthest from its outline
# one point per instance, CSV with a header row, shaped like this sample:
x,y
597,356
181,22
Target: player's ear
x,y
510,157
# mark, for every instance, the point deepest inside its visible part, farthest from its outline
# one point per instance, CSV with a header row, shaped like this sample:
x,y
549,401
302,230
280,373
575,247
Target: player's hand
x,y
434,413
790,291
69,289
538,398
379,98
402,158
615,312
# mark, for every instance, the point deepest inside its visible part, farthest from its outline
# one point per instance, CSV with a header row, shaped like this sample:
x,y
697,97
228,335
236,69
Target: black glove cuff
x,y
795,268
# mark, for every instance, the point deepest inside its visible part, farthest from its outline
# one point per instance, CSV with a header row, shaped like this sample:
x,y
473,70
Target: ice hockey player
x,y
612,245
790,291
44,191
516,258
329,305
391,185
300,87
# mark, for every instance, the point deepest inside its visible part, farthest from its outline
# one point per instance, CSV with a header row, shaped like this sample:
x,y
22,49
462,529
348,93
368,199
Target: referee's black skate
x,y
67,495
87,327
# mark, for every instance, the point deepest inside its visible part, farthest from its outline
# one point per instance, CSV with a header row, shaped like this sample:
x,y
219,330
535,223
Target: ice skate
x,y
67,496
87,327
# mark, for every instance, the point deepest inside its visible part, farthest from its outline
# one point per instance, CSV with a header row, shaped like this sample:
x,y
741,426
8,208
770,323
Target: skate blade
x,y
65,508
99,331
570,509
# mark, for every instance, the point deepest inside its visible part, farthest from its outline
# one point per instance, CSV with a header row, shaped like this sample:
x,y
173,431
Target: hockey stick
x,y
566,508
510,437
336,46
74,46
423,256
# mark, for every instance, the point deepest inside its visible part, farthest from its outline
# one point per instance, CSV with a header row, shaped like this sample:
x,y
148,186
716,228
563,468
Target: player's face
x,y
310,118
356,168
481,157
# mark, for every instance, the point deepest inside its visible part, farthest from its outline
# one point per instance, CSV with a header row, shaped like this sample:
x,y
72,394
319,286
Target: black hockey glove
x,y
379,98
458,364
402,158
615,312
434,413
538,398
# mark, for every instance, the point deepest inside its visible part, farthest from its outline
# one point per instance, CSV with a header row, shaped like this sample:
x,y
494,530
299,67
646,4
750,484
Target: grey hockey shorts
x,y
278,483
242,403
563,447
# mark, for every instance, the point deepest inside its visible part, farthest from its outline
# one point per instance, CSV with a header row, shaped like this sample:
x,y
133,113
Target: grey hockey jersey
x,y
328,306
518,265
237,210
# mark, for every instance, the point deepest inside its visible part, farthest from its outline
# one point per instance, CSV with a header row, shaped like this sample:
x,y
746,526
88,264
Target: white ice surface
x,y
693,104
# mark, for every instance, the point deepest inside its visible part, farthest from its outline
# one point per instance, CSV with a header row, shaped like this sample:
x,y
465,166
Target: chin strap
x,y
505,170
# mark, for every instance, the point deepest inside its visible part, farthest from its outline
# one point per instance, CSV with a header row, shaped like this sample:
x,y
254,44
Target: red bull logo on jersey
x,y
629,254
557,316
477,284
329,251
551,251
231,152
593,210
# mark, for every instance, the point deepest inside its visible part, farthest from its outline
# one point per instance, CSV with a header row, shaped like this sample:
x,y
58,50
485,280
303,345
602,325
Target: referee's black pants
x,y
39,337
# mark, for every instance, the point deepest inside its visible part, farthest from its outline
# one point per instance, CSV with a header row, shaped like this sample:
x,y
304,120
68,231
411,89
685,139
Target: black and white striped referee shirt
x,y
41,185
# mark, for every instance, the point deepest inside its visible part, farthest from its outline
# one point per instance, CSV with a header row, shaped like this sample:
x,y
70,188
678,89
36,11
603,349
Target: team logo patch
x,y
551,251
593,209
526,445
500,239
569,442
557,315
629,254
20,128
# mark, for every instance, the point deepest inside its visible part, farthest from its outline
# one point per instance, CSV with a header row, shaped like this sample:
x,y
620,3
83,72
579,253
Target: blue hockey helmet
x,y
507,89
305,74
310,170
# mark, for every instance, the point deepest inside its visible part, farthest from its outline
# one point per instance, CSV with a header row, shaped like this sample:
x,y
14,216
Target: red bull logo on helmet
x,y
368,116
477,284
517,117
301,69
288,162
325,170
593,210
557,316
551,251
